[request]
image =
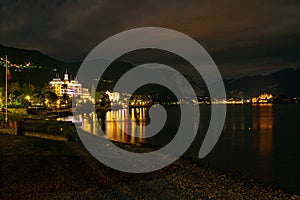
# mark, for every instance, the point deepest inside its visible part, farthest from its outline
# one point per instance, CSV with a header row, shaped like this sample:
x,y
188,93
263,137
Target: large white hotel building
x,y
70,87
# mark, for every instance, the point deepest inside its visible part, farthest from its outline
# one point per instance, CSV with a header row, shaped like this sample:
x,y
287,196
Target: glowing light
x,y
27,97
263,98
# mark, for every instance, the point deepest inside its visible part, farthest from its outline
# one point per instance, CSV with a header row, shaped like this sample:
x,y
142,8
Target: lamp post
x,y
6,83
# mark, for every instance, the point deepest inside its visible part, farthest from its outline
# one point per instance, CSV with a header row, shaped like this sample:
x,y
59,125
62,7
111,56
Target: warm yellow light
x,y
262,98
27,97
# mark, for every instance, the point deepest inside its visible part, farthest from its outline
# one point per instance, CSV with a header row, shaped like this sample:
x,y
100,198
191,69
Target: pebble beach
x,y
35,168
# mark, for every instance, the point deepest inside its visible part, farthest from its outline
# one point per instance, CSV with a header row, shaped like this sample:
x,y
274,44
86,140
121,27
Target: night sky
x,y
243,37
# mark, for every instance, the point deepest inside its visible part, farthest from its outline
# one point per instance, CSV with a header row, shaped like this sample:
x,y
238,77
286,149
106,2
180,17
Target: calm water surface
x,y
260,141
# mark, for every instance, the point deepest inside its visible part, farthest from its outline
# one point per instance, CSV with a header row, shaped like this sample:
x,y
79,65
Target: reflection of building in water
x,y
118,127
263,124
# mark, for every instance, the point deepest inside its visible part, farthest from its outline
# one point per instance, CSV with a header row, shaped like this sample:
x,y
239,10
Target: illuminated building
x,y
114,97
70,87
56,85
263,98
66,78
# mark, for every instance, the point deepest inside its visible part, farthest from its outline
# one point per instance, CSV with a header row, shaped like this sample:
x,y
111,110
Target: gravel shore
x,y
34,168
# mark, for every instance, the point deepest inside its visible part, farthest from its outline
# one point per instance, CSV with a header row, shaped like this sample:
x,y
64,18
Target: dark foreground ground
x,y
33,168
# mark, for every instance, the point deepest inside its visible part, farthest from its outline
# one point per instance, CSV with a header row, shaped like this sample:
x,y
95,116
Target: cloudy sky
x,y
243,37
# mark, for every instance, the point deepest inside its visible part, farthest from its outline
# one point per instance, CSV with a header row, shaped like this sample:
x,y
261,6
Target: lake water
x,y
260,141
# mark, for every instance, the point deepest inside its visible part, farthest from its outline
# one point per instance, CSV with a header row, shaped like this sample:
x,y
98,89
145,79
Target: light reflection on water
x,y
113,123
262,122
247,139
133,125
261,141
119,125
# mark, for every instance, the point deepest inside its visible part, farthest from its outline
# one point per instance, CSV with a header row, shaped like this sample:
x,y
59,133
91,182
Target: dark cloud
x,y
244,37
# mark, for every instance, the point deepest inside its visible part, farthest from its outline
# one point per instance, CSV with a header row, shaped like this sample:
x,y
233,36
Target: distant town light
x,y
263,98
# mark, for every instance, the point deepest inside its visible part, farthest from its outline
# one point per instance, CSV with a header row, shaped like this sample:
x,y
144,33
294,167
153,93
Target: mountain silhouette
x,y
50,66
285,81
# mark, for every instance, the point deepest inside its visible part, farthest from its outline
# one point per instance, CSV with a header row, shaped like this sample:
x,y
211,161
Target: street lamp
x,y
27,97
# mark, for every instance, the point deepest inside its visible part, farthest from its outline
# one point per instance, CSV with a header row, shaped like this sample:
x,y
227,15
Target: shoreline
x,y
235,174
34,167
